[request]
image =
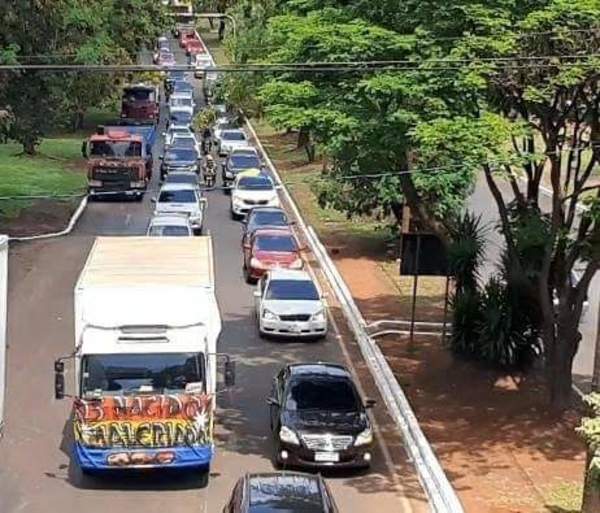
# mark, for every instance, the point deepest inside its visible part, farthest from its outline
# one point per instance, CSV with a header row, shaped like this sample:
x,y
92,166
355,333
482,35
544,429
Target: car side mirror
x,y
161,157
257,293
154,199
59,380
246,246
229,373
272,401
369,403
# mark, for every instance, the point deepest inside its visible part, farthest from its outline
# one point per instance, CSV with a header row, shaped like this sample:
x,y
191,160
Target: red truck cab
x,y
117,163
140,102
194,47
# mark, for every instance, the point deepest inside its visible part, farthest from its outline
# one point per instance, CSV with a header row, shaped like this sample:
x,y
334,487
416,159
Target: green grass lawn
x,y
53,171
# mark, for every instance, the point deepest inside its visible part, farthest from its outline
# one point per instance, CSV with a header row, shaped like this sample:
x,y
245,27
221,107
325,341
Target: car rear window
x,y
233,136
292,290
169,231
244,161
255,183
270,494
321,394
284,243
270,218
183,196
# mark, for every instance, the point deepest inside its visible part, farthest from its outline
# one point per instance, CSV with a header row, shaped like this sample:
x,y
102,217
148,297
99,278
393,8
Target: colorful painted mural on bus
x,y
125,427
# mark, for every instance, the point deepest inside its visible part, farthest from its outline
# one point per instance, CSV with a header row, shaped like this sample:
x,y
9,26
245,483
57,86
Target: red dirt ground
x,y
43,216
502,450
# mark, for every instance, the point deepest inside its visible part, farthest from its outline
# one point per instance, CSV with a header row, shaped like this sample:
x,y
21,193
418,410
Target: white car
x,y
202,62
252,190
181,198
230,140
222,124
187,141
288,303
170,225
178,103
176,131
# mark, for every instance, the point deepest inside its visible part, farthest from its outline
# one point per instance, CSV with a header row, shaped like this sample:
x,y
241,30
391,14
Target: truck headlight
x,y
364,438
141,183
269,316
256,263
319,316
287,436
95,183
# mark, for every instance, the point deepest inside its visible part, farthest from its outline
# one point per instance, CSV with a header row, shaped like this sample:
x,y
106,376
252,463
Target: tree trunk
x,y
591,488
29,146
560,363
78,117
303,138
311,151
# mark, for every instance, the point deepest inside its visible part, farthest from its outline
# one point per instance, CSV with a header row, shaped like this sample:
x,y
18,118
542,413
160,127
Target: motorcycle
x,y
209,172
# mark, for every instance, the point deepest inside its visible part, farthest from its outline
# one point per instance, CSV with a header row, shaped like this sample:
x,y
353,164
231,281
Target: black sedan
x,y
281,492
318,418
178,159
238,161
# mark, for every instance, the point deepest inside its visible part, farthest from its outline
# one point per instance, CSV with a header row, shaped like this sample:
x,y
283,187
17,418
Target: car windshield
x,y
168,231
292,290
183,154
139,95
182,85
174,132
255,183
184,142
117,374
180,196
177,76
190,178
181,102
233,136
283,243
326,394
269,218
244,161
115,149
181,117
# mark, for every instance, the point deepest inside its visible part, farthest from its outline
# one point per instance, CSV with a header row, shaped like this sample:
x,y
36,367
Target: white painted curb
x,y
74,218
441,495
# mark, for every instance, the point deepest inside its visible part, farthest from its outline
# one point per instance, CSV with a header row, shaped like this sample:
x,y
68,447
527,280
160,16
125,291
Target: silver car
x,y
181,198
289,304
170,225
230,140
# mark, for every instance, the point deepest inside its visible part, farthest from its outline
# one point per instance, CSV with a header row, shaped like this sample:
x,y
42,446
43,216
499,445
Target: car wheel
x,y
204,477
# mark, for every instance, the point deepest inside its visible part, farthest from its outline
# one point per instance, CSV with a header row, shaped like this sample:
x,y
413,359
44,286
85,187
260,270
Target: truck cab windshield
x,y
123,374
115,149
139,95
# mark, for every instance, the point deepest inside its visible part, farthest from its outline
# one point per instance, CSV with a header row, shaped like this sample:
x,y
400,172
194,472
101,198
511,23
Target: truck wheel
x,y
204,477
139,196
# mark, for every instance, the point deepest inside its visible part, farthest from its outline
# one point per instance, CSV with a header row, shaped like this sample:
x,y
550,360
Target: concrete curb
x,y
441,495
74,218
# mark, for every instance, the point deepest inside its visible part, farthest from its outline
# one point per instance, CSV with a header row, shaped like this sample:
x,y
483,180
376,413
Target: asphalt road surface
x,y
37,473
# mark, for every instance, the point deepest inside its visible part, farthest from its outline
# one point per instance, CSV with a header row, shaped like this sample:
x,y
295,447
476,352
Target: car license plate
x,y
296,328
327,457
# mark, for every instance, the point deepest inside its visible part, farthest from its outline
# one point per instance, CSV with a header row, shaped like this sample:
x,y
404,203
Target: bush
x,y
506,335
466,308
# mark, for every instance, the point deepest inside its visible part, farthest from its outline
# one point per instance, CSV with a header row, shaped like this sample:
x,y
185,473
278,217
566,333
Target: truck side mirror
x,y
84,152
59,380
229,373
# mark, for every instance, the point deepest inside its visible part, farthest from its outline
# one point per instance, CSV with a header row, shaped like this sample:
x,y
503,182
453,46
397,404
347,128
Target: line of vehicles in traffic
x,y
146,364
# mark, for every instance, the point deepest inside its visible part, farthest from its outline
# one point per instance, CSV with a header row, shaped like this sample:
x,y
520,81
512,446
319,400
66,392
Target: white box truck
x,y
145,361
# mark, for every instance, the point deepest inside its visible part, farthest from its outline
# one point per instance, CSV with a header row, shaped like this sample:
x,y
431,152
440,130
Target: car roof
x,y
289,274
237,130
170,220
272,491
320,369
252,172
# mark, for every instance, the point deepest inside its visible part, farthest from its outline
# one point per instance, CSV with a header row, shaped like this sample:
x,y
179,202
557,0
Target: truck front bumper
x,y
190,457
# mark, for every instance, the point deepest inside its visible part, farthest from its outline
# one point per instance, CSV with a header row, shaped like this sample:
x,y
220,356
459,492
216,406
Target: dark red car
x,y
185,37
194,47
269,249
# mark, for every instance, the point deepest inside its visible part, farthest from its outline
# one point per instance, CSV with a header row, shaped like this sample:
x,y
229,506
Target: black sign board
x,y
423,254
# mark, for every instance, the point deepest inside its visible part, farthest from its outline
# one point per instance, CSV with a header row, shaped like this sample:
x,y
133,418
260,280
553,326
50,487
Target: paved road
x,y
482,203
37,473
